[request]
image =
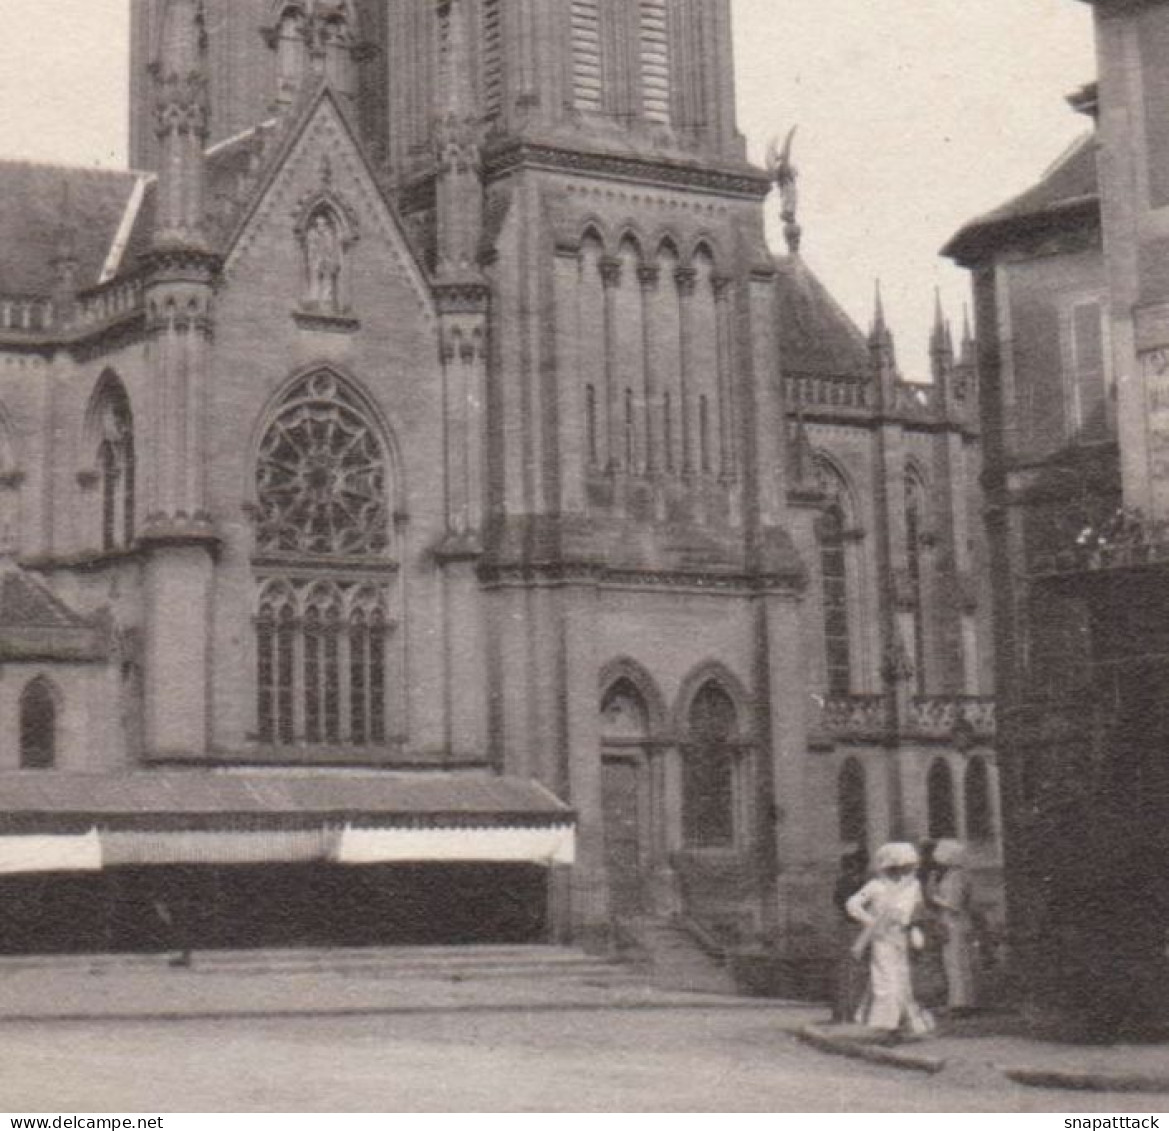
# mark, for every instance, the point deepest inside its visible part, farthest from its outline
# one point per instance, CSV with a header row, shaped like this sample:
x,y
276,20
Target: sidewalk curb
x,y
874,1054
217,1015
1085,1081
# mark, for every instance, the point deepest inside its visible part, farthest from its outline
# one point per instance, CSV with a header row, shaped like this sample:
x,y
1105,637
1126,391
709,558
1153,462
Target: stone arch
x,y
111,453
595,230
941,804
326,230
631,672
396,487
852,802
714,671
977,798
40,712
704,245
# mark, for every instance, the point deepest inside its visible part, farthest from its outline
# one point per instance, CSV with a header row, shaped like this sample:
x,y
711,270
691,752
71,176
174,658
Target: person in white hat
x,y
889,908
949,894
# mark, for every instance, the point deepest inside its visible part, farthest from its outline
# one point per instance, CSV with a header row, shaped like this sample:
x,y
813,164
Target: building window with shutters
x,y
1087,383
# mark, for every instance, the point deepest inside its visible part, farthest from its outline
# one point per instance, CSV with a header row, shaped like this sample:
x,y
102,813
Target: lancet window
x,y
114,427
708,779
915,528
38,726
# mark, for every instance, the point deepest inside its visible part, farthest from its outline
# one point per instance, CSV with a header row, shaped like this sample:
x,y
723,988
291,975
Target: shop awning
x,y
553,845
185,846
29,854
228,817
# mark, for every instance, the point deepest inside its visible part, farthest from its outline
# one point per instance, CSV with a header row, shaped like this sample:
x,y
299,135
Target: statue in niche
x,y
325,255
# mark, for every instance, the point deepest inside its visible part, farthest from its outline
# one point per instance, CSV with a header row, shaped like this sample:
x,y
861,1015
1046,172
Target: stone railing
x,y
25,314
853,716
943,716
829,392
933,717
915,399
110,302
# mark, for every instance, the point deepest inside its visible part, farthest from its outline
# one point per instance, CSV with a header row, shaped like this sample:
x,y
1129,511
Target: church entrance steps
x,y
673,959
451,963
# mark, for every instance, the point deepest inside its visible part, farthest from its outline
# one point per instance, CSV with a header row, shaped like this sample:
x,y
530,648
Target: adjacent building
x,y
1070,300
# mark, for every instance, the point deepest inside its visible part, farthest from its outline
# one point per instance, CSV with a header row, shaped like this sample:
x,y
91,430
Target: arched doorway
x,y
625,796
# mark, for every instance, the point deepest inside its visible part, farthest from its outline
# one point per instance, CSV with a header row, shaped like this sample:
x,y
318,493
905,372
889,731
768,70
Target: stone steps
x,y
674,960
450,963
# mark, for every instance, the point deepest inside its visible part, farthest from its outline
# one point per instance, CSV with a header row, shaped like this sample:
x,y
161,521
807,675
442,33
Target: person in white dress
x,y
889,908
949,894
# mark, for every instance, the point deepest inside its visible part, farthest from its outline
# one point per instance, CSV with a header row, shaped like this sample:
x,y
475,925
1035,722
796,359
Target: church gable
x,y
320,190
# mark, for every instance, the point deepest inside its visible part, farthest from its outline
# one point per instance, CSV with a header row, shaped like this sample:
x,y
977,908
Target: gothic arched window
x,y
915,529
321,483
623,712
979,815
113,425
708,775
835,581
852,803
38,726
943,819
322,495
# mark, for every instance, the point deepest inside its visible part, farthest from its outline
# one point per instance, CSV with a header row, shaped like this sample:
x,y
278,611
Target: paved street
x,y
588,1060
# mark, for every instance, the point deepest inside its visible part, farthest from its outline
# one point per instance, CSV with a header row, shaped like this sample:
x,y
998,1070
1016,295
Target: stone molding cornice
x,y
744,182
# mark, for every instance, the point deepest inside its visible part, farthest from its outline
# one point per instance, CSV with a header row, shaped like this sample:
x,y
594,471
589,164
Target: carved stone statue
x,y
325,257
786,177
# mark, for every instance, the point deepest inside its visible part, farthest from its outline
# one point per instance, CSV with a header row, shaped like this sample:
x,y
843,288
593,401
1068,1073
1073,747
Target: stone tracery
x,y
321,478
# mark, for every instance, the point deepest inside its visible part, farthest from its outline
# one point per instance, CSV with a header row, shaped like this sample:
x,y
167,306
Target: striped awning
x,y
186,846
555,845
31,854
58,821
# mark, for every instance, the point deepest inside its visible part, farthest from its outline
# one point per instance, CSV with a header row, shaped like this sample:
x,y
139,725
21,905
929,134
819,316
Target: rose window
x,y
321,476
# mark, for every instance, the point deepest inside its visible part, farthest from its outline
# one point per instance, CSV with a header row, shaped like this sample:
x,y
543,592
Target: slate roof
x,y
816,337
1067,195
35,625
26,603
138,795
35,200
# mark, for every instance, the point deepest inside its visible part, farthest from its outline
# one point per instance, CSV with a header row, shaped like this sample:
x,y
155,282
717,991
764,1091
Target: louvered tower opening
x,y
492,47
587,84
655,61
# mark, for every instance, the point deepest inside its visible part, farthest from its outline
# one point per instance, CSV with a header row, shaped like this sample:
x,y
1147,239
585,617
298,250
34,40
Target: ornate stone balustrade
x,y
110,302
830,392
945,715
918,400
22,314
935,718
853,716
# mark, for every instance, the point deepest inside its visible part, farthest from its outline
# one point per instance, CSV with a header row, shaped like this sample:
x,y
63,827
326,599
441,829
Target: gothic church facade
x,y
404,448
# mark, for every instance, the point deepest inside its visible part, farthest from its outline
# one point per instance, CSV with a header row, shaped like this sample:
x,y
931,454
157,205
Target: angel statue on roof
x,y
786,177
